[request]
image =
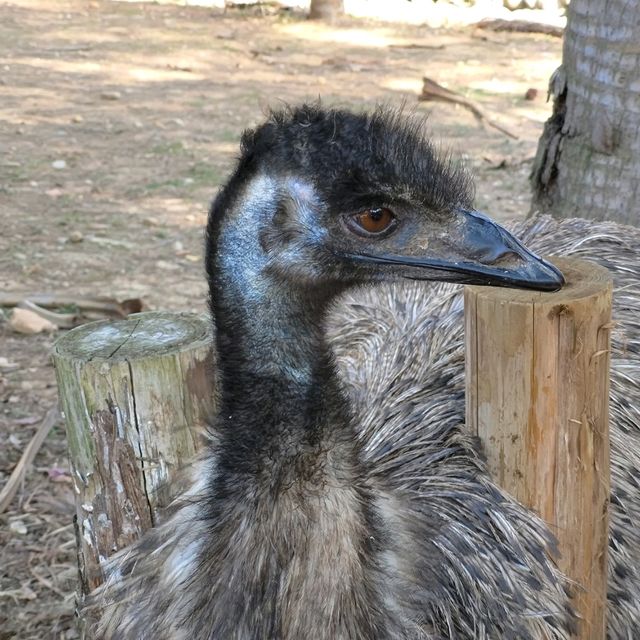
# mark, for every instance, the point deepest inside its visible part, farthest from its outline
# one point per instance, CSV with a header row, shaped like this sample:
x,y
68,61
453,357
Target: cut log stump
x,y
135,394
537,388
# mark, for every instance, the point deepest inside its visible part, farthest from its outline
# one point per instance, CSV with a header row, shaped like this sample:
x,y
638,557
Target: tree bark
x,y
327,10
588,160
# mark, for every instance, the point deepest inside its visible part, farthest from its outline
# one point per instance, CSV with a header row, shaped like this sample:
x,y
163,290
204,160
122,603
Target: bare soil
x,y
118,121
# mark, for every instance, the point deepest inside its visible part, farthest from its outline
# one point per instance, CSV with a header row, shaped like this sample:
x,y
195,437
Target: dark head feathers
x,y
348,156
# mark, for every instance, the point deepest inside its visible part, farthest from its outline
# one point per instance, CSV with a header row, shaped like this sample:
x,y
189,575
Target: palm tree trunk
x,y
326,9
588,160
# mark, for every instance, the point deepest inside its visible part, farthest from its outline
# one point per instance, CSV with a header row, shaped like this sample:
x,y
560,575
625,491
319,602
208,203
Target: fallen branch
x,y
61,320
69,49
417,45
17,475
520,26
431,90
104,305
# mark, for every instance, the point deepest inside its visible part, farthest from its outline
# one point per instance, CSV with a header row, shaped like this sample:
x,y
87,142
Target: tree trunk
x,y
588,160
327,10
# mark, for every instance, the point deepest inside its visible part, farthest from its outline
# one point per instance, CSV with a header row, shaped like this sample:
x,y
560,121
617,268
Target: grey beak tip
x,y
553,279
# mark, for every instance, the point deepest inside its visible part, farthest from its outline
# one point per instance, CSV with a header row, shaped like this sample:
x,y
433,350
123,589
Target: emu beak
x,y
485,253
476,250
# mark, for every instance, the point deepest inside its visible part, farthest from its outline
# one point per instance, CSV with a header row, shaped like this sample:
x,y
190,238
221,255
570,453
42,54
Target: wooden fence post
x,y
537,388
134,394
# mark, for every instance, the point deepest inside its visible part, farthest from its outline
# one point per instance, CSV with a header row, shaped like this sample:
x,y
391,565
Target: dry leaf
x,y
25,321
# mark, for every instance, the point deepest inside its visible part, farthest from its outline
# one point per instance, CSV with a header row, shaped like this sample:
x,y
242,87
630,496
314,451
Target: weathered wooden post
x,y
537,388
134,394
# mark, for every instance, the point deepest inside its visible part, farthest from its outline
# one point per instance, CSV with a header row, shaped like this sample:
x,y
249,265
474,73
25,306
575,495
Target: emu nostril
x,y
494,255
507,258
483,241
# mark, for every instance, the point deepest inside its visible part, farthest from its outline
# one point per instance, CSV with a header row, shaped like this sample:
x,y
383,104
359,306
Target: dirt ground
x,y
118,121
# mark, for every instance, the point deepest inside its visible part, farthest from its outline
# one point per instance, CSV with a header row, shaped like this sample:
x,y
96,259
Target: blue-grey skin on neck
x,y
270,311
277,311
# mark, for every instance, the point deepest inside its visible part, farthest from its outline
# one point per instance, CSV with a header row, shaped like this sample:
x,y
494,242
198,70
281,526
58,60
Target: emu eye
x,y
372,222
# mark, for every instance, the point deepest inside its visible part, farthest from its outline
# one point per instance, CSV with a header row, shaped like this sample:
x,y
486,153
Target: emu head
x,y
325,198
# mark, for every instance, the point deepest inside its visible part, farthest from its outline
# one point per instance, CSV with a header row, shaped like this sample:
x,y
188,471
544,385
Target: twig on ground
x,y
61,320
520,26
105,305
47,583
417,45
431,90
9,490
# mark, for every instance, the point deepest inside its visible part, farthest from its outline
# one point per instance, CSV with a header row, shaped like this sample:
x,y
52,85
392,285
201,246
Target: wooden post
x,y
537,384
134,394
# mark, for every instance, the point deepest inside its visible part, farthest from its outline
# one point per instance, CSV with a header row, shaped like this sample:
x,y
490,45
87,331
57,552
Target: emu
x,y
340,498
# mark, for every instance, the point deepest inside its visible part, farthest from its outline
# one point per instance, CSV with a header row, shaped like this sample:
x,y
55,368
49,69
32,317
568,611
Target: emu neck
x,y
273,343
280,394
288,493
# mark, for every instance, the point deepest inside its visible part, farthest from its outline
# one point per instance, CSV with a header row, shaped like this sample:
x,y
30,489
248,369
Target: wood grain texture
x,y
134,394
537,380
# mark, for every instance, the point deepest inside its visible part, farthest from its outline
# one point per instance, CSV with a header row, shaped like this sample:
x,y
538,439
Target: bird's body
x,y
343,501
406,343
